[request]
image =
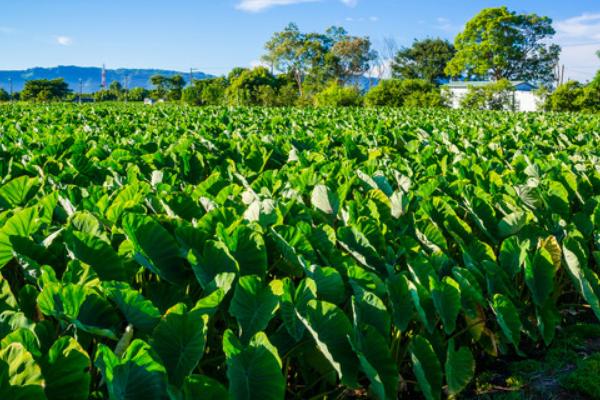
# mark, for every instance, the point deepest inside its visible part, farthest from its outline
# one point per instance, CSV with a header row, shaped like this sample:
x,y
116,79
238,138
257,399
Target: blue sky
x,y
216,35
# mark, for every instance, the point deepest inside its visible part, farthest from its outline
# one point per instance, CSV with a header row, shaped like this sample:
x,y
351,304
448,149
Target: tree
x,y
425,59
4,96
353,57
169,87
404,93
137,94
501,44
45,90
245,89
295,53
206,92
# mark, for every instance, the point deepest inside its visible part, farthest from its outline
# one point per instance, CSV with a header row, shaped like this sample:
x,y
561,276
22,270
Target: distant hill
x,y
91,76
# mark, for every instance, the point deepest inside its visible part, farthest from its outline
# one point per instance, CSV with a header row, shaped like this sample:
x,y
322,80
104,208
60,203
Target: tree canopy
x,y
425,59
45,90
498,43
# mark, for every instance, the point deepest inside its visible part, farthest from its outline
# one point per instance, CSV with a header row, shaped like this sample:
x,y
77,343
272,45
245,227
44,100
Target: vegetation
x,y
501,44
177,253
425,59
43,90
497,96
405,93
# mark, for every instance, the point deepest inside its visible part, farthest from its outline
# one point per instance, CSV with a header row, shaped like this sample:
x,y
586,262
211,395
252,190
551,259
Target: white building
x,y
524,97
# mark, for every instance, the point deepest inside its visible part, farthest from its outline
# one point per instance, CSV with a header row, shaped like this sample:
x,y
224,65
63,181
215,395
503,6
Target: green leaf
x,y
248,248
138,375
377,363
66,371
254,371
423,303
179,340
20,376
426,367
508,318
512,224
330,328
215,259
584,279
137,310
63,302
400,301
202,387
446,299
460,368
539,276
368,309
18,191
325,200
293,302
155,248
512,255
23,223
97,253
253,305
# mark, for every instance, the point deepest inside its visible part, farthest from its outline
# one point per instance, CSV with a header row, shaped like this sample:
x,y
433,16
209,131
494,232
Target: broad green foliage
x,y
180,253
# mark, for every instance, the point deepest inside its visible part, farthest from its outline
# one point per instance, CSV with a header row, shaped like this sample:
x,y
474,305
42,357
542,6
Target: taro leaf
x,y
62,302
512,224
584,279
325,200
137,375
18,191
539,276
137,310
359,247
23,223
96,252
558,198
253,305
446,299
179,340
423,304
215,259
460,368
508,318
400,301
330,328
426,367
293,301
376,360
330,284
20,376
247,246
202,387
155,248
368,309
548,319
26,337
66,371
512,255
254,371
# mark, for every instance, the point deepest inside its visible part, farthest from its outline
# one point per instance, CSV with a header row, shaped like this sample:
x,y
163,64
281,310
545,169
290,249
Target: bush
x,y
206,92
338,96
404,93
4,96
43,90
566,97
494,96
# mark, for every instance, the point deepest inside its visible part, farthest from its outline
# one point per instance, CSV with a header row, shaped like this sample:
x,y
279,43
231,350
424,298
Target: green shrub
x,y
404,93
338,96
585,378
494,96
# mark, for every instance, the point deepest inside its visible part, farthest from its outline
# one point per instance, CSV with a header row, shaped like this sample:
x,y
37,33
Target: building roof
x,y
465,84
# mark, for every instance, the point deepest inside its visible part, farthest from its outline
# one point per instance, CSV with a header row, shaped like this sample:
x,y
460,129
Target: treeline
x,y
328,69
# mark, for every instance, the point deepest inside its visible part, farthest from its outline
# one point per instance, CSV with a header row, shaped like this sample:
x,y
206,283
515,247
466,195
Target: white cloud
x,y
64,40
579,38
350,3
260,5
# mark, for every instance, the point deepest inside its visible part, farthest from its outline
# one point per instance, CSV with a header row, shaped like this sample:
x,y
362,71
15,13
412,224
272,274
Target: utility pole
x,y
80,89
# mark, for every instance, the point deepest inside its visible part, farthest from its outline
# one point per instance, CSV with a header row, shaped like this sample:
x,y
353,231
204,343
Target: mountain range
x,y
91,77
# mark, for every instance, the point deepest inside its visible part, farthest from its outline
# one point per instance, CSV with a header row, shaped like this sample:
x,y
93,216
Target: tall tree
x,y
498,43
425,59
353,57
45,90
